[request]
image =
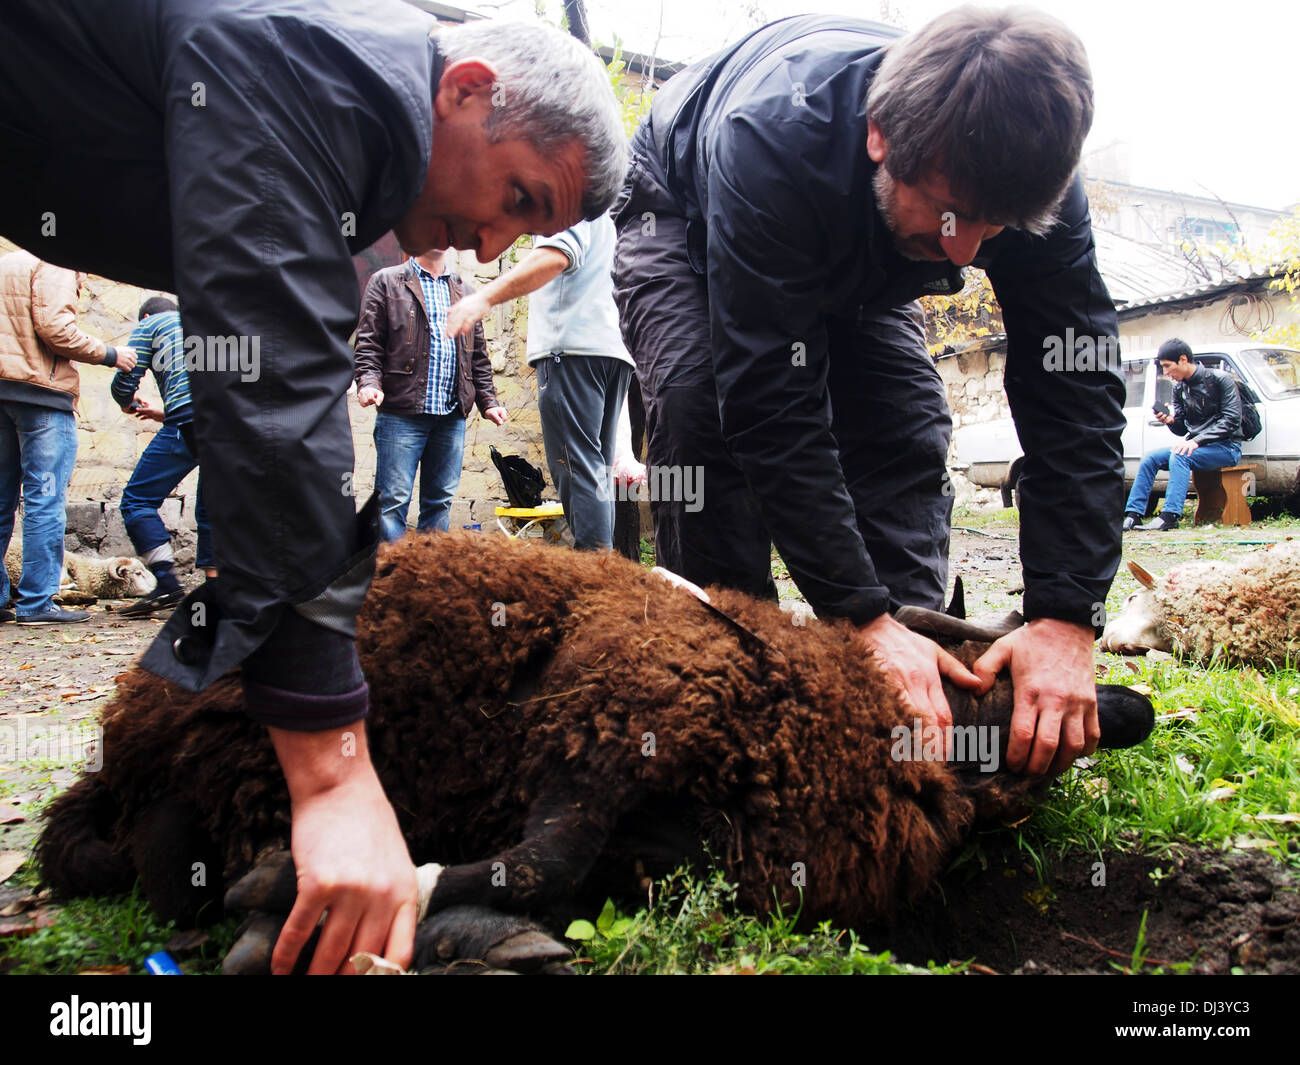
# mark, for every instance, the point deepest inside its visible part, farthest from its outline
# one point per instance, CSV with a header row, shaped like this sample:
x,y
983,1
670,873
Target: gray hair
x,y
554,91
997,101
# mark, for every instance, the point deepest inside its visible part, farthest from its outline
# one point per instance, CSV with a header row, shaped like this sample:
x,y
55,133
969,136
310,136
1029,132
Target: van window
x,y
1135,379
1276,369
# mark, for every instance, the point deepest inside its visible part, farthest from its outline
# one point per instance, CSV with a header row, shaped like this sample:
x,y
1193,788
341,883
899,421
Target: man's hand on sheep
x,y
915,663
352,863
1055,716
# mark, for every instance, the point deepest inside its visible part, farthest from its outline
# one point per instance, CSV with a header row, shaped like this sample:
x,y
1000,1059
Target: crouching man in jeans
x,y
1207,411
426,382
159,342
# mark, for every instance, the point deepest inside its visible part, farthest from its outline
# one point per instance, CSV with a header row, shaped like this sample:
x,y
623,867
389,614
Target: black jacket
x,y
1207,408
763,149
392,348
237,153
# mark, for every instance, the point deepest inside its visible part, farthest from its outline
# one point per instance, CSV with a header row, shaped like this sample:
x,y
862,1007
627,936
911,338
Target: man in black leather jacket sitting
x,y
1207,414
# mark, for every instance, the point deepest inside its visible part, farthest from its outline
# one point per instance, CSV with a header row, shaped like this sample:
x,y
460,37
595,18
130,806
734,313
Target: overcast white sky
x,y
1204,93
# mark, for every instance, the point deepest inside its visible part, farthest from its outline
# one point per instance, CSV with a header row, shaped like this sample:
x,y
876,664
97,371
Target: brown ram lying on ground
x,y
545,722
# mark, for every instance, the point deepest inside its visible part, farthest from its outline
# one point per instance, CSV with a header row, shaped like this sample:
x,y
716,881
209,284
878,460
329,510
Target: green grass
x,y
99,933
692,927
1201,780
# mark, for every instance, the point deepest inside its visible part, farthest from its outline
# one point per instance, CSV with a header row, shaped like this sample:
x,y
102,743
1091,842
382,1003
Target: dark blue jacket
x,y
763,147
237,153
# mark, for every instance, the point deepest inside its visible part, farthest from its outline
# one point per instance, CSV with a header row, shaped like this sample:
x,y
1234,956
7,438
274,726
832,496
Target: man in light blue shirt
x,y
583,370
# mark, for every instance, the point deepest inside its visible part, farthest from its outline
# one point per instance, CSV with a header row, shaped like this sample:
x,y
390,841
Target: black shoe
x,y
158,599
1162,523
6,615
54,616
1131,520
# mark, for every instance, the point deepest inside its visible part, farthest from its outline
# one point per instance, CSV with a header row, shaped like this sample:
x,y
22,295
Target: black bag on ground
x,y
524,481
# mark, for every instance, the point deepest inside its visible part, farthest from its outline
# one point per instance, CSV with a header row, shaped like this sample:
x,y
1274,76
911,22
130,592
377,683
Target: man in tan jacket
x,y
39,386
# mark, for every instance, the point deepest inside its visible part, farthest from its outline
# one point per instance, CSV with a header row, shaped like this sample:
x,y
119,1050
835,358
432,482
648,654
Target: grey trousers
x,y
579,398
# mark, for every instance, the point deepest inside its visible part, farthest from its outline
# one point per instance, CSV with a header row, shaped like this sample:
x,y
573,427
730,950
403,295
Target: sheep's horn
x,y
1143,577
932,623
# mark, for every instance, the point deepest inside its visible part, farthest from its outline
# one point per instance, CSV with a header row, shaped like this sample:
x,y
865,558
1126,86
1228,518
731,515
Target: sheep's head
x,y
1125,716
132,577
1137,627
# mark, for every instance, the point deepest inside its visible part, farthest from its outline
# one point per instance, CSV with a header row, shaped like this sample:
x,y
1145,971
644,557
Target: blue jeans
x,y
1205,457
435,443
165,463
38,448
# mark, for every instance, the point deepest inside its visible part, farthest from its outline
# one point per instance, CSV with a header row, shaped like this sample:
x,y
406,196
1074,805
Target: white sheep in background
x,y
1243,611
86,578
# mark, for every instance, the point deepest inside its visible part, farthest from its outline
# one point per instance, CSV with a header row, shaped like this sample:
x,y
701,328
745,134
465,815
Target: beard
x,y
918,247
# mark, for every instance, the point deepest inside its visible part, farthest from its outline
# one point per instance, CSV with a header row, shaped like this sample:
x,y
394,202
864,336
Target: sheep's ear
x,y
957,608
1143,577
119,567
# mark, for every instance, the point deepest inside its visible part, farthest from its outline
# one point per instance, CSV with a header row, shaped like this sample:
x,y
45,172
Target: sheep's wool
x,y
1244,611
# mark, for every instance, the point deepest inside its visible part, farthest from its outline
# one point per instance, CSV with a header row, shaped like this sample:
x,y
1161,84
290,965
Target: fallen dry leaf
x,y
106,970
1252,843
25,926
10,863
12,819
1278,819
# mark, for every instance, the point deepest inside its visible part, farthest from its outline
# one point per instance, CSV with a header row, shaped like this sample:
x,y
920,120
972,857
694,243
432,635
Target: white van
x,y
990,451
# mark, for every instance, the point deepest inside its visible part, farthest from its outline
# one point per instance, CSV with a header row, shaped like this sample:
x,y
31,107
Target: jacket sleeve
x,y
1179,425
485,392
267,179
1227,425
1069,417
765,271
54,315
372,336
125,382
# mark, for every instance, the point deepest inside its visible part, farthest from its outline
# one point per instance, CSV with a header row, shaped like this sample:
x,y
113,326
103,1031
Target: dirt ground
x,y
1213,910
1205,912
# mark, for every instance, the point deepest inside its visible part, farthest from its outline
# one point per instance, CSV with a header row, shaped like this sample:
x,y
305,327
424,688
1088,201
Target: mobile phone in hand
x,y
1161,408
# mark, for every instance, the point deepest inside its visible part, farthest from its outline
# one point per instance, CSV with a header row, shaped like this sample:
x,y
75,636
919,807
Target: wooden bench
x,y
1221,495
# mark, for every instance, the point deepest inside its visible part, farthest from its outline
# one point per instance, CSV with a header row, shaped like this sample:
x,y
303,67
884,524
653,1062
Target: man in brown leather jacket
x,y
426,384
40,345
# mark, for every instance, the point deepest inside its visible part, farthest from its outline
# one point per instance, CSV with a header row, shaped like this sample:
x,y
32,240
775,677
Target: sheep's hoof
x,y
474,939
254,942
272,884
1125,717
